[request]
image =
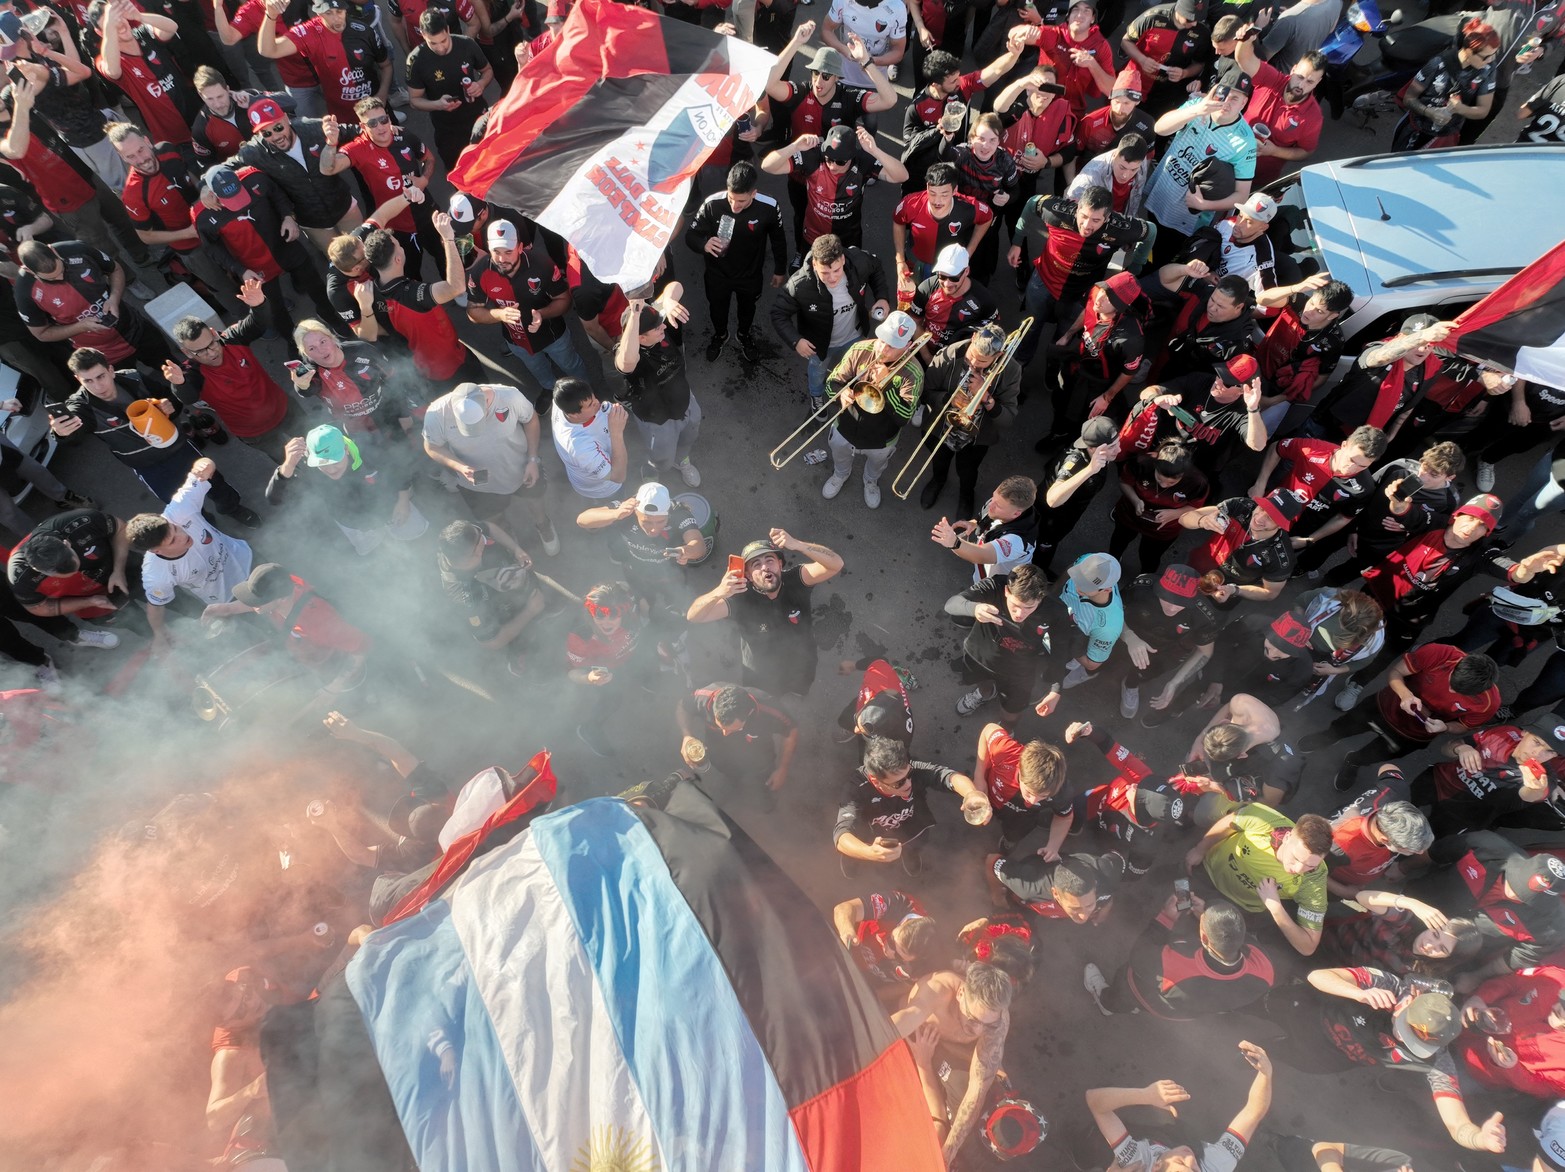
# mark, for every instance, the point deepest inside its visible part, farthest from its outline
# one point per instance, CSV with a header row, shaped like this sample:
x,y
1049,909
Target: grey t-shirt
x,y
1297,32
844,316
498,445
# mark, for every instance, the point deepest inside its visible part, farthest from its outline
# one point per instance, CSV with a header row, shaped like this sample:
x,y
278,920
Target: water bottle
x,y
1528,46
725,229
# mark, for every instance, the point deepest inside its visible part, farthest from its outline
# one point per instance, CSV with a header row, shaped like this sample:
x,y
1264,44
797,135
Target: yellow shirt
x,y
1239,863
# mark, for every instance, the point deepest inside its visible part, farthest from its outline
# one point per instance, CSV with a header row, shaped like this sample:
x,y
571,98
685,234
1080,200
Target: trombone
x,y
869,396
959,416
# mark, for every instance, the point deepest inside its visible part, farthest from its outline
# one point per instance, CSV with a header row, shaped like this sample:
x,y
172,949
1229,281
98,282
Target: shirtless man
x,y
238,1078
1243,757
973,1009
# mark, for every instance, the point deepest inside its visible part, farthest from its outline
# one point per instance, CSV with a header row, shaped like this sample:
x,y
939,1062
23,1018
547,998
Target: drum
x,y
708,520
259,682
1014,1128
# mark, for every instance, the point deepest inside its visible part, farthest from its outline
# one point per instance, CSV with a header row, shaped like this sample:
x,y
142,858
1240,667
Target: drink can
x,y
1032,149
742,124
815,456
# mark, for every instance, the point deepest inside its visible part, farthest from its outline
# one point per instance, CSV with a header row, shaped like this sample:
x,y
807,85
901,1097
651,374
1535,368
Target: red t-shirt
x,y
1429,679
598,650
383,169
1306,466
317,631
1527,997
59,186
1298,125
249,402
1080,85
294,71
928,109
930,235
150,81
414,313
155,204
343,69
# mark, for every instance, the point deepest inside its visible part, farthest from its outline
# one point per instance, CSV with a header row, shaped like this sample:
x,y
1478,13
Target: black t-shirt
x,y
17,210
1341,496
868,814
1031,879
776,635
659,386
1010,649
1272,681
1431,509
1247,562
1054,523
88,532
629,542
70,110
1196,624
443,77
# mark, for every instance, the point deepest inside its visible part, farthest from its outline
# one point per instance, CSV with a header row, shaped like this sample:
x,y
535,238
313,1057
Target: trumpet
x,y
959,417
869,396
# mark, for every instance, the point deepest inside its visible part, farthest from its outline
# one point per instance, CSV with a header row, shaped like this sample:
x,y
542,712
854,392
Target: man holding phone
x,y
488,434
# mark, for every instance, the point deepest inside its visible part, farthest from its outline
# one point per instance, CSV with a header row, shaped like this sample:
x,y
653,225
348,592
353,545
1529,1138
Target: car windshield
x,y
1292,212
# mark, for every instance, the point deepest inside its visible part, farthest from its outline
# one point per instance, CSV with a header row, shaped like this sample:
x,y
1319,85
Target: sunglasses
x,y
599,611
377,123
948,280
274,130
192,348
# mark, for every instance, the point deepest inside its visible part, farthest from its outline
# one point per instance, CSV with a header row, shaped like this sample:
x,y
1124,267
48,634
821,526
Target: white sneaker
x,y
104,640
1129,701
48,679
1349,696
687,473
1485,476
550,538
1075,674
1096,984
891,73
872,494
833,486
400,97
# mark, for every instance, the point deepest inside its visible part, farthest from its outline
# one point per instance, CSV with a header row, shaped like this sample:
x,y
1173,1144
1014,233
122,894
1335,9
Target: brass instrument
x,y
869,396
959,417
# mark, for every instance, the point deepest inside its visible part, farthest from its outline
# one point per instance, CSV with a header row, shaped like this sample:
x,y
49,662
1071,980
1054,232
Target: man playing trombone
x,y
882,369
963,367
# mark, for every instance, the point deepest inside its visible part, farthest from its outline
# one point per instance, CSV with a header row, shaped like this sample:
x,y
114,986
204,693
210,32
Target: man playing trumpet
x,y
863,428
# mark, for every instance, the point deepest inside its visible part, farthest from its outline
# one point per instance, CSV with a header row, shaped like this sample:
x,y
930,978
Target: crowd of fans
x,y
1189,356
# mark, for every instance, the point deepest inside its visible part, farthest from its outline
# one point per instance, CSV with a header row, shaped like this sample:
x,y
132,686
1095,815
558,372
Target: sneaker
x,y
249,518
142,291
1349,696
48,679
103,640
1129,702
976,699
1485,476
1096,984
747,351
891,73
75,500
715,346
688,473
833,486
918,416
872,494
1346,776
1157,717
593,740
1075,674
550,538
399,96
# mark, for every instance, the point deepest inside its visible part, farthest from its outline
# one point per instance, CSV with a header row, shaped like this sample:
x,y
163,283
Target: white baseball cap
x,y
897,330
1260,206
1550,1134
952,261
461,209
470,407
653,500
502,234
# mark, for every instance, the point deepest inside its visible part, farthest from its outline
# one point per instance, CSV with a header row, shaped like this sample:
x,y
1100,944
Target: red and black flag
x,y
602,132
1520,327
616,985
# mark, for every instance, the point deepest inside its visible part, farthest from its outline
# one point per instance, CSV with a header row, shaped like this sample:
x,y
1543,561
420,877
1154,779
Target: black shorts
x,y
486,506
1015,690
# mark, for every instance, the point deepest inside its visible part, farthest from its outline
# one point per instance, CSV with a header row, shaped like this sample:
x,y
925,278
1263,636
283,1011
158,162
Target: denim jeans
x,y
1038,304
1539,495
818,368
555,361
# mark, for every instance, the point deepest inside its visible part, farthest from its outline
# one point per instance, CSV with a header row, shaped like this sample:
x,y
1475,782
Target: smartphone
x,y
1221,92
673,551
480,476
1249,34
1182,895
292,365
736,564
1406,489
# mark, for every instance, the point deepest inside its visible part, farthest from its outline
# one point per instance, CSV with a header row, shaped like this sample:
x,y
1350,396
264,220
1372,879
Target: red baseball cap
x,y
264,113
1238,370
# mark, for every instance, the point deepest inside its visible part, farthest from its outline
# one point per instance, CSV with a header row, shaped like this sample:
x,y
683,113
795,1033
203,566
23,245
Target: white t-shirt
x,y
587,453
1197,140
1139,1155
213,565
876,26
499,445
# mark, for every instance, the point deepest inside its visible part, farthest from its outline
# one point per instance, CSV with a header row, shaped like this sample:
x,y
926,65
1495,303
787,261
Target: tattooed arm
x,y
987,1056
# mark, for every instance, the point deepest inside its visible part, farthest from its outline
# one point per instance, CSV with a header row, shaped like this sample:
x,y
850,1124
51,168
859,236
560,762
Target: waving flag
x,y
1520,327
602,132
616,987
